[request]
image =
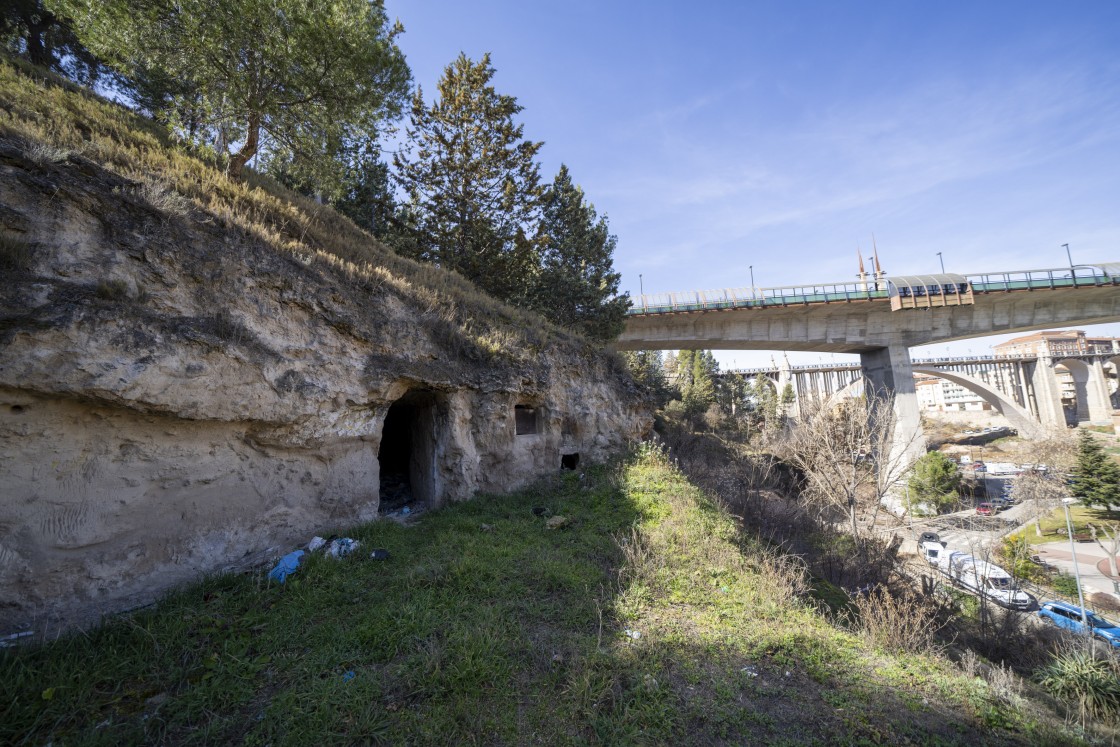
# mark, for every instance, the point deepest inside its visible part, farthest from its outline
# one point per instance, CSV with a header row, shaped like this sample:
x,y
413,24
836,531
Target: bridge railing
x,y
1077,276
943,361
738,298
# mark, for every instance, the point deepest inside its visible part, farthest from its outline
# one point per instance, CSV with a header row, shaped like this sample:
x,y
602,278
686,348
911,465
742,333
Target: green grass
x,y
1100,429
1080,517
512,634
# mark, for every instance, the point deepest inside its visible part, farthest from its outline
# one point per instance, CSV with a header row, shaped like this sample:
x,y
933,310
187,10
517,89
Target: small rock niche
x,y
525,420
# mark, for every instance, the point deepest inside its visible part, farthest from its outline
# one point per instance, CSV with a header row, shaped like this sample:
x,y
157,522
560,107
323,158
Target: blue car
x,y
1068,616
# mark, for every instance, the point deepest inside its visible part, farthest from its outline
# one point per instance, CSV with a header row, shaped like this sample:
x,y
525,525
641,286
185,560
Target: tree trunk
x,y
852,517
37,52
248,150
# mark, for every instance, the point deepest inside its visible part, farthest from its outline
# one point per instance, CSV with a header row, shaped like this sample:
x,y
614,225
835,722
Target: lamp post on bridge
x,y
1068,256
752,280
641,285
942,260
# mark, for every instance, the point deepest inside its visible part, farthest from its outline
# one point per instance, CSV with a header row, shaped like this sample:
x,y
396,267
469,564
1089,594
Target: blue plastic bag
x,y
287,566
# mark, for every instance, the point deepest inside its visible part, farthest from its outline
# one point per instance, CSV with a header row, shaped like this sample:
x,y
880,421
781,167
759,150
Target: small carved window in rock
x,y
569,461
526,420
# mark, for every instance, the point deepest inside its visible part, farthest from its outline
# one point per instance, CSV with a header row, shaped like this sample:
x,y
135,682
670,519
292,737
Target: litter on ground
x,y
286,567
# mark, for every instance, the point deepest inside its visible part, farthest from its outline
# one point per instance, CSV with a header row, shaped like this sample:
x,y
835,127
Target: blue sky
x,y
718,136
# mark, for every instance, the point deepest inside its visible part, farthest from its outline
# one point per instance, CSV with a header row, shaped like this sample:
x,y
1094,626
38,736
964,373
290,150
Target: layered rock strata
x,y
178,397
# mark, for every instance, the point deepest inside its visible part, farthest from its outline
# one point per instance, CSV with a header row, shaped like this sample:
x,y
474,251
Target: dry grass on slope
x,y
52,120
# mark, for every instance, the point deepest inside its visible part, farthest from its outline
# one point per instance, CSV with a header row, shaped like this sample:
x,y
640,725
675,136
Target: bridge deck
x,y
865,291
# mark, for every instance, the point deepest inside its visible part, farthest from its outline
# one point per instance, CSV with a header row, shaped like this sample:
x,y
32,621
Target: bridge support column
x,y
1096,392
1027,402
786,378
888,372
1048,393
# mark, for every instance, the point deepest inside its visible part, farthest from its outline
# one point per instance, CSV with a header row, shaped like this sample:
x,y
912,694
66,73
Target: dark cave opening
x,y
406,454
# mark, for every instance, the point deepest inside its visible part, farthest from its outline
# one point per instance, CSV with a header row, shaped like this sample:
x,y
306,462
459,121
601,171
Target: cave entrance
x,y
406,457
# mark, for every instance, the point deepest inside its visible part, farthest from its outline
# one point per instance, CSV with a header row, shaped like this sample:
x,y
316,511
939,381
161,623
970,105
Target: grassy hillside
x,y
648,618
51,121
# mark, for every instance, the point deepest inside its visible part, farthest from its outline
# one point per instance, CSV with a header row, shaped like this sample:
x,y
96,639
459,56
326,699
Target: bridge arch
x,y
1019,418
854,389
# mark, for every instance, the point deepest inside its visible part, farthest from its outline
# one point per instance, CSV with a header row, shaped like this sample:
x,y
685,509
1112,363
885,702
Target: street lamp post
x,y
942,260
641,285
1076,570
1068,256
752,280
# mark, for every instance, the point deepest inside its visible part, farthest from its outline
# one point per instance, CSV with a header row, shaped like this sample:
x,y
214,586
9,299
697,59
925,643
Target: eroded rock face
x,y
176,398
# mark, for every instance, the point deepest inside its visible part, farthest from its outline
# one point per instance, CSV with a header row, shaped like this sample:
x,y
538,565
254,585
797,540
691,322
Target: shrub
x,y
1014,554
934,482
898,621
165,200
1065,584
1092,684
1105,602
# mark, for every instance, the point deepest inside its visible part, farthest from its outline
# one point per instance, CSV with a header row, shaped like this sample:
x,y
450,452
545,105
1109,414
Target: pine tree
x,y
648,370
697,372
244,76
731,394
789,396
30,30
472,182
765,400
355,182
577,286
1096,477
367,195
934,480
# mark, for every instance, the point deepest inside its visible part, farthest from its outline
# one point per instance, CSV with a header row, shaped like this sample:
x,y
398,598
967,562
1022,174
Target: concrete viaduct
x,y
880,318
1024,389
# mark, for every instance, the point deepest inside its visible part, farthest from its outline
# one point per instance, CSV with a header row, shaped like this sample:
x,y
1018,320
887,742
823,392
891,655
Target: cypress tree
x,y
472,183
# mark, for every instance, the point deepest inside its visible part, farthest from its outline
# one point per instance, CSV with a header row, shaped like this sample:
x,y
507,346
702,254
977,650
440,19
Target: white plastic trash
x,y
343,546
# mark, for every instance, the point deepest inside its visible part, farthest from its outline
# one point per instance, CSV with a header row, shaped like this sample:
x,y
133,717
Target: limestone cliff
x,y
181,392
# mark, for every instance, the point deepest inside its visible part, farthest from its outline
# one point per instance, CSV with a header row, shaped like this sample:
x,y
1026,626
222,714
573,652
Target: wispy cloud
x,y
868,158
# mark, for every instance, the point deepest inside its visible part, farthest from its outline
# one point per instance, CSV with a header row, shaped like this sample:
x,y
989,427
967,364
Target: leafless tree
x,y
850,457
1113,538
1043,491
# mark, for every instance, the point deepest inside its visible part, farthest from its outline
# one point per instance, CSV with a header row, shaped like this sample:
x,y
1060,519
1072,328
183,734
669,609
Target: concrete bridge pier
x,y
888,372
1047,394
1097,396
